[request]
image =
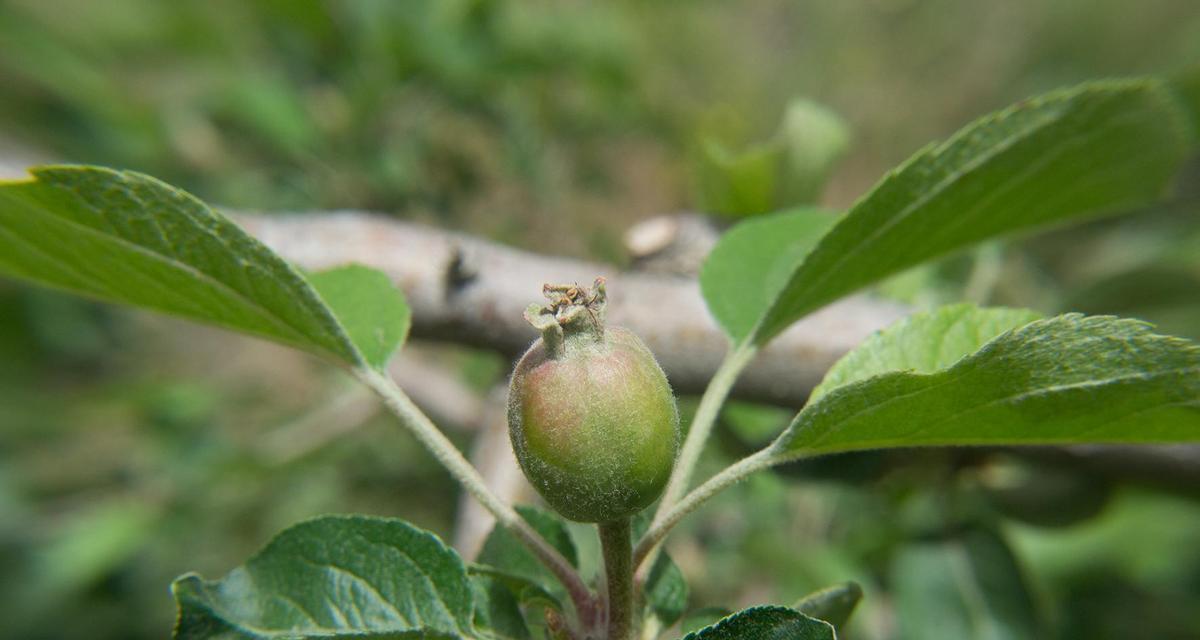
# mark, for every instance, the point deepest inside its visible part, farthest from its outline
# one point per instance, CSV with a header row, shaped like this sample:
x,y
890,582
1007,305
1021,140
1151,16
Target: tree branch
x,y
472,291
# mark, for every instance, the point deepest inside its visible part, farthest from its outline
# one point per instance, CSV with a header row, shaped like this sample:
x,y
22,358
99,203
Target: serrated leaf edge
x,y
193,578
779,445
325,316
759,333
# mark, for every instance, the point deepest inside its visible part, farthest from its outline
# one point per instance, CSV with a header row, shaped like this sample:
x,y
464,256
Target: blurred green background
x,y
134,448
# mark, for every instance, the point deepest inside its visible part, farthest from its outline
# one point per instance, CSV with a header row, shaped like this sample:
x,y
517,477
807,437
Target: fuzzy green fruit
x,y
592,419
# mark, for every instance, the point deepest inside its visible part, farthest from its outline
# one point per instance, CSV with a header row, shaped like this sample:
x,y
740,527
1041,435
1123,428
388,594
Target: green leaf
x,y
93,544
766,623
506,553
1062,380
1046,495
966,587
368,306
505,603
526,590
337,576
815,139
1187,86
786,170
923,343
1068,155
1163,295
748,268
497,608
832,604
738,184
666,590
124,237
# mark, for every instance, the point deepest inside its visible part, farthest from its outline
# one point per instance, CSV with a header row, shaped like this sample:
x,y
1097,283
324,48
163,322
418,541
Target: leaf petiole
x,y
736,361
465,473
666,520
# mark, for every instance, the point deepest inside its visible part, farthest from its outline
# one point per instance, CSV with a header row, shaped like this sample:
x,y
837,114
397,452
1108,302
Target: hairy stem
x,y
714,397
466,474
617,546
706,414
649,544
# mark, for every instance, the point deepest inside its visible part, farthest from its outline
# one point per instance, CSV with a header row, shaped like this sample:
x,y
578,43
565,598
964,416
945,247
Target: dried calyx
x,y
574,314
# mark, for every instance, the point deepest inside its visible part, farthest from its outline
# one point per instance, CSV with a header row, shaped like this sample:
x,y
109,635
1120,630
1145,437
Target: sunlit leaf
x,y
923,343
125,237
1065,156
1062,380
369,307
750,265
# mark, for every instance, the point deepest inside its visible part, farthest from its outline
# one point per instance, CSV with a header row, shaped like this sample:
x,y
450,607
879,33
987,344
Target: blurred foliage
x,y
132,448
312,103
787,170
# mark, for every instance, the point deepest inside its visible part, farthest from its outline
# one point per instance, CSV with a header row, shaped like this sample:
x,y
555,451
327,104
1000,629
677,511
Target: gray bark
x,y
470,291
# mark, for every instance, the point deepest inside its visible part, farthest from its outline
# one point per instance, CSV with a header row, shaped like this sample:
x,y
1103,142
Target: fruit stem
x,y
616,543
465,473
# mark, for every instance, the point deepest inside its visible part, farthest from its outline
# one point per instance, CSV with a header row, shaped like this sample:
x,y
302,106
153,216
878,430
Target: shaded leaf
x,y
497,608
337,576
832,604
766,623
1063,380
1067,155
923,343
505,598
1046,495
368,306
666,590
504,552
526,590
751,263
124,237
1169,297
968,587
